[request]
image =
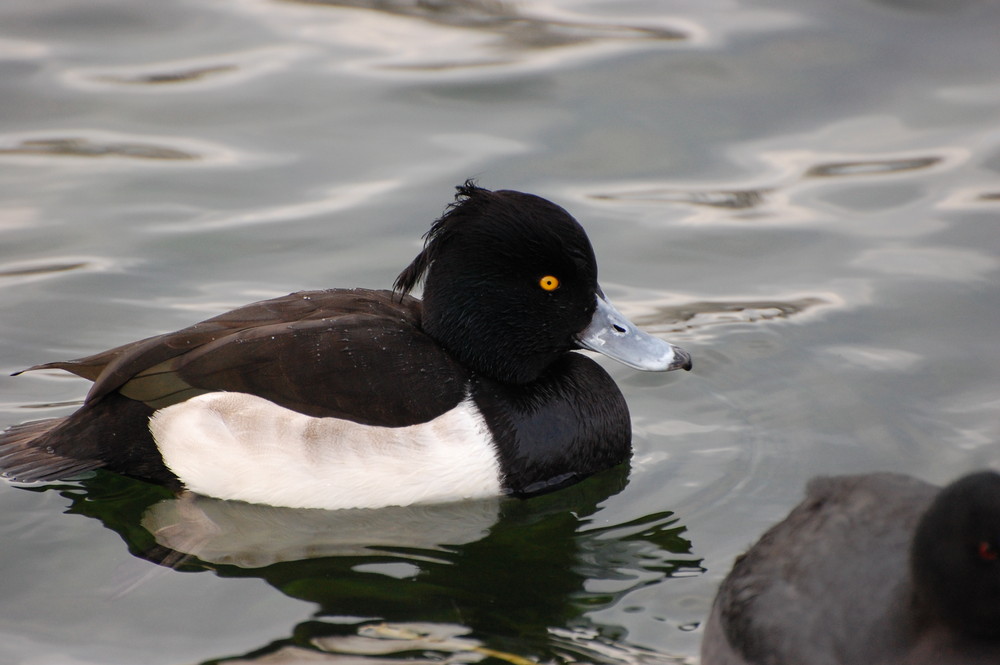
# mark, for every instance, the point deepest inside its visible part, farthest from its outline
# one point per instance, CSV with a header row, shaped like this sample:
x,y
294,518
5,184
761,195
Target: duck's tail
x,y
25,454
111,432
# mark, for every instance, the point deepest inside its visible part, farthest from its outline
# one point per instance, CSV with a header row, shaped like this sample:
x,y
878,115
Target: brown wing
x,y
355,354
110,369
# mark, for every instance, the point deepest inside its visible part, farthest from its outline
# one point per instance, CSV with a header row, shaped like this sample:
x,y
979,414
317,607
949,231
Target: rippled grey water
x,y
804,194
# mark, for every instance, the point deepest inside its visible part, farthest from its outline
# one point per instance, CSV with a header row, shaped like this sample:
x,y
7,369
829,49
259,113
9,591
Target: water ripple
x,y
450,36
373,642
590,646
112,147
189,73
971,197
937,263
20,272
18,49
83,147
335,199
732,199
171,75
43,269
871,357
865,167
796,173
518,29
51,405
256,536
671,316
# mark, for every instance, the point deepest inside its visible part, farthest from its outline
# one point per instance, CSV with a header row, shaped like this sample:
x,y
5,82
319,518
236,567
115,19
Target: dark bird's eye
x,y
987,552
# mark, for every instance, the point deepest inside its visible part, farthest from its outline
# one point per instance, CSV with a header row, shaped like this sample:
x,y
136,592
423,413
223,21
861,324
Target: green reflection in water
x,y
508,575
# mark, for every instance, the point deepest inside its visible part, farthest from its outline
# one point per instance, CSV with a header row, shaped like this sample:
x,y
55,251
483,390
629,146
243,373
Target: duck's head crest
x,y
469,197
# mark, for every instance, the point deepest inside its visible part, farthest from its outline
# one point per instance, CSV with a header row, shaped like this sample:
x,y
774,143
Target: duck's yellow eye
x,y
549,283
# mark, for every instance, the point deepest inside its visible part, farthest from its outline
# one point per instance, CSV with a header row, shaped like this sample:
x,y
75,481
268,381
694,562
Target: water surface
x,y
803,195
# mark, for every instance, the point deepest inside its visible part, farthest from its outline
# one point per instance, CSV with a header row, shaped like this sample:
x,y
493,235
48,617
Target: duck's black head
x,y
509,279
510,284
956,556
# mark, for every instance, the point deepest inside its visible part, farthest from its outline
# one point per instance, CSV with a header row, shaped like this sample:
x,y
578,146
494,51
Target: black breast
x,y
570,423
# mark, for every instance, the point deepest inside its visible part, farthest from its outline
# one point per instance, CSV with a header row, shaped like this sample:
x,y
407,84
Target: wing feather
x,y
355,354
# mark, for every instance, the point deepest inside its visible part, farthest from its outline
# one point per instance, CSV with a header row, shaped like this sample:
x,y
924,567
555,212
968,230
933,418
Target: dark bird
x,y
878,569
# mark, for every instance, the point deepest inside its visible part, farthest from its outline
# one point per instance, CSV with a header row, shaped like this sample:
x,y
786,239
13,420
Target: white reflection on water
x,y
875,358
449,39
14,217
395,643
334,199
17,49
416,38
254,536
936,263
980,428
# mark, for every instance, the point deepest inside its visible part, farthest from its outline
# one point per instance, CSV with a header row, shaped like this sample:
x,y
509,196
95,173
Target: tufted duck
x,y
361,398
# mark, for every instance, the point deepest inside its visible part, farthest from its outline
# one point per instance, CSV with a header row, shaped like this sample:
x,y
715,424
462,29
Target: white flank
x,y
243,447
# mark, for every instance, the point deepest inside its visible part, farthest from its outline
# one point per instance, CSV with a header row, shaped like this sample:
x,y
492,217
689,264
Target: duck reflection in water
x,y
515,577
